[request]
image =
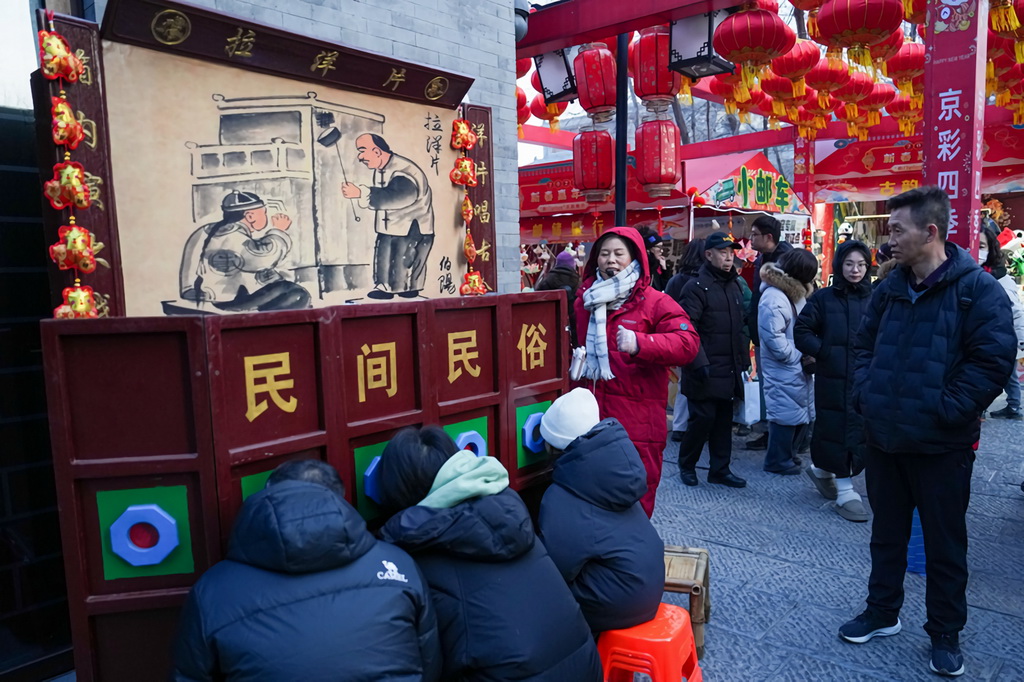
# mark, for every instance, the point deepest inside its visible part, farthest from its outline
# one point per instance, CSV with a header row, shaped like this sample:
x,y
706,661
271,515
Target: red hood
x,y
631,236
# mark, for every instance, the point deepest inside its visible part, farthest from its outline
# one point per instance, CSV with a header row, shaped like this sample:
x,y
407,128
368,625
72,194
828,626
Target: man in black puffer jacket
x,y
503,610
306,593
714,302
935,348
591,520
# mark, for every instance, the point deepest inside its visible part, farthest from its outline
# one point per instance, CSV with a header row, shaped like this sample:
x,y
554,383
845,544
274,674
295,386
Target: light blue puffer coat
x,y
788,391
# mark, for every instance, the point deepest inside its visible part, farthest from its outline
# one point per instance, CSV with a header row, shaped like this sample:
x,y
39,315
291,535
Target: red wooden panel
x,y
536,349
132,645
381,370
464,350
130,426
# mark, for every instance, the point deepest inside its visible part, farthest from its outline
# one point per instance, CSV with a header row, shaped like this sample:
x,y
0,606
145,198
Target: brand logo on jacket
x,y
390,572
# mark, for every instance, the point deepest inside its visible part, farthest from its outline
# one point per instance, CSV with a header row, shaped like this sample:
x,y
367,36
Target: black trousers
x,y
711,423
401,262
940,487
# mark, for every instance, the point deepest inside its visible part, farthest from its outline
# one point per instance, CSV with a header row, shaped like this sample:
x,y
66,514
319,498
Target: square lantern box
x,y
557,80
691,52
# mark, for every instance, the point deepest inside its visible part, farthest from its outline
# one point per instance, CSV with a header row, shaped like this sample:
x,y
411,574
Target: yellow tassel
x,y
521,132
851,110
1003,17
990,70
773,123
812,24
874,118
1003,98
851,129
824,100
1018,118
744,117
885,69
992,88
748,74
916,101
862,135
730,107
553,110
778,107
906,87
908,7
819,123
553,125
792,111
686,98
799,88
834,53
741,91
859,54
1018,51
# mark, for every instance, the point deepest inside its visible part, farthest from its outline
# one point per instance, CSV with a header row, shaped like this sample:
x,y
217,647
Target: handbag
x,y
748,410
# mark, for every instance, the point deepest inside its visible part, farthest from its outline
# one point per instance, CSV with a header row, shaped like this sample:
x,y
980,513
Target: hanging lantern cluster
x,y
784,100
882,52
820,108
1005,21
857,89
880,97
76,247
827,76
796,64
593,151
766,108
752,38
463,140
751,106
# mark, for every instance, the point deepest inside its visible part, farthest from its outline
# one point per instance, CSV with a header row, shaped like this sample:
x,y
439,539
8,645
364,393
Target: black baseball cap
x,y
718,240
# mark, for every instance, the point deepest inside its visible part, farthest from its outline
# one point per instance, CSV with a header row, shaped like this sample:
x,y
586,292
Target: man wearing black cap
x,y
714,302
655,244
233,263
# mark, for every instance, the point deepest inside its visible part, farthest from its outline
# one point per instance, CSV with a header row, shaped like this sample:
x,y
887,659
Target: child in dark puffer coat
x,y
591,520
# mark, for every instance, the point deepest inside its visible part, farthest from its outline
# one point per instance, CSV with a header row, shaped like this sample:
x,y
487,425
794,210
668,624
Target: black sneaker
x,y
867,625
1006,413
678,436
688,477
946,657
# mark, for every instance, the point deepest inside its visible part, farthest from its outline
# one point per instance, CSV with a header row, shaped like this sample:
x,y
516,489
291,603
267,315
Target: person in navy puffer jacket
x,y
503,611
306,593
591,520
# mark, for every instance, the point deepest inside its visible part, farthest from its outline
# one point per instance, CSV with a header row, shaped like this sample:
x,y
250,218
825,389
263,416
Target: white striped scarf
x,y
604,295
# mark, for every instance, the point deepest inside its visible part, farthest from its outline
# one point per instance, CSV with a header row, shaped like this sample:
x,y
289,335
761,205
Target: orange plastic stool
x,y
662,648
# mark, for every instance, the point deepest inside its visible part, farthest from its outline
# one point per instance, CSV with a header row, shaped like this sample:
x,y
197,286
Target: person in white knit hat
x,y
591,520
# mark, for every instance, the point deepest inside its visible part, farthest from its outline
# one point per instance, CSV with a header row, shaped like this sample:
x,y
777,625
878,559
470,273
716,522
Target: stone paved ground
x,y
786,571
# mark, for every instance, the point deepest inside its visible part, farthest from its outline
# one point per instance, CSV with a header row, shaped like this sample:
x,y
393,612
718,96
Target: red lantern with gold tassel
x,y
857,25
1004,19
997,68
740,91
547,112
751,39
999,54
724,90
917,96
796,63
766,107
858,89
881,96
886,50
914,11
906,65
593,164
827,76
1006,83
781,91
821,112
1016,104
658,164
811,7
653,81
905,114
595,81
805,123
522,116
750,106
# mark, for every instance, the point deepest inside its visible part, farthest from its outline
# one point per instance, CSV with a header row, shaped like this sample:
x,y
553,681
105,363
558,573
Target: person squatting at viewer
x,y
306,593
935,347
591,520
633,335
503,610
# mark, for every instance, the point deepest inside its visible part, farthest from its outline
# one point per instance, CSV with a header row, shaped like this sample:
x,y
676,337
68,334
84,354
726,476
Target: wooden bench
x,y
686,571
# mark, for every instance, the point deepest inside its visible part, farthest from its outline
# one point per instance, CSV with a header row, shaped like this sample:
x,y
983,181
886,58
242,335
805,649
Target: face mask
x,y
982,255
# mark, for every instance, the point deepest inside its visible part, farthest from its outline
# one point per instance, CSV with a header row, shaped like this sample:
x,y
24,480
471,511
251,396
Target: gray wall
x,y
472,37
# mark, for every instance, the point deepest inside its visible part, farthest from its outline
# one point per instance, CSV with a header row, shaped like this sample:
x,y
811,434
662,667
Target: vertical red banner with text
x,y
803,171
954,108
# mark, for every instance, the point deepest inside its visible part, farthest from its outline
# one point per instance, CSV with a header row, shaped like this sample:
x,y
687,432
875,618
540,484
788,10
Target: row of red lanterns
x,y
657,153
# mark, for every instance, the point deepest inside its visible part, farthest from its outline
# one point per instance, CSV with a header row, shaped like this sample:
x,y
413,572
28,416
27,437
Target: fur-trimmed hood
x,y
773,276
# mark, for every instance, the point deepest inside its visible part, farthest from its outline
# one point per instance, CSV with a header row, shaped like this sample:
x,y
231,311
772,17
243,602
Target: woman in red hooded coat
x,y
634,335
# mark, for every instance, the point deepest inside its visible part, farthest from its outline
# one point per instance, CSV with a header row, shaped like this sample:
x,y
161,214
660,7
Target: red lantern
x,y
1017,103
547,112
653,82
908,117
522,116
750,106
858,24
724,90
795,64
827,76
858,89
658,166
995,69
906,65
914,11
740,91
811,7
766,108
520,97
917,96
881,96
781,91
822,112
1004,18
886,50
805,123
593,164
751,39
595,81
1006,83
523,67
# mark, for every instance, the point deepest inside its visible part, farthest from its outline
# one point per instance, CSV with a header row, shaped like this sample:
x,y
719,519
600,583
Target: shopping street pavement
x,y
786,571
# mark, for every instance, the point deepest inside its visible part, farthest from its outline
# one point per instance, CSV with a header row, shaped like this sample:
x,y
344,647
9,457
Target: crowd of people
x,y
460,584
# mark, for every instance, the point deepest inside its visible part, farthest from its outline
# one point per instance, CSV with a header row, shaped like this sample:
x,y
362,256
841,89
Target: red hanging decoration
x,y
881,96
593,163
464,172
781,92
796,63
57,59
79,302
547,112
907,116
595,81
1004,17
751,39
857,25
66,129
463,136
722,89
857,89
906,65
523,67
827,76
658,165
884,51
67,188
75,250
653,81
473,284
